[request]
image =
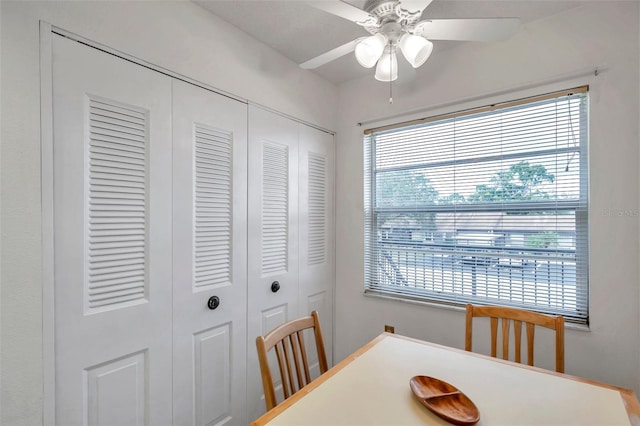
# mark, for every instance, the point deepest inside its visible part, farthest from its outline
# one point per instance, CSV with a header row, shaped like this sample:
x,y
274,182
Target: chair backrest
x,y
288,342
518,316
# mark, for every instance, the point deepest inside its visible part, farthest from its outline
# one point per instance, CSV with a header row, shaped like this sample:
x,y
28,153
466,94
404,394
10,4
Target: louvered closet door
x,y
273,235
112,213
210,262
316,159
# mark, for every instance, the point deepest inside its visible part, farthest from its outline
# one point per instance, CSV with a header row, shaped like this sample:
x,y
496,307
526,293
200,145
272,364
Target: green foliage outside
x,y
547,239
454,198
518,183
404,189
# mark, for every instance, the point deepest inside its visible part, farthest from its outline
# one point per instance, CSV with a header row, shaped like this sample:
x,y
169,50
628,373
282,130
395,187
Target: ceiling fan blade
x,y
487,29
331,55
344,10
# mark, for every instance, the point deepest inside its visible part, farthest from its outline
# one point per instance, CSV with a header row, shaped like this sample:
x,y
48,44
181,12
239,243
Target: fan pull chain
x,y
390,75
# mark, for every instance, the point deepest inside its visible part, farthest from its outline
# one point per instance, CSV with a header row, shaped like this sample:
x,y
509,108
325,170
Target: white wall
x,y
186,39
542,57
179,36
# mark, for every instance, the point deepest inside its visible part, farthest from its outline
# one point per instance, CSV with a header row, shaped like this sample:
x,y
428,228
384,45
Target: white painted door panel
x,y
161,201
273,235
209,249
316,270
112,226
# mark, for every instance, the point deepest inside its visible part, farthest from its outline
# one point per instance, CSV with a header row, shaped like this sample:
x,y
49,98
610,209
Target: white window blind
x,y
487,206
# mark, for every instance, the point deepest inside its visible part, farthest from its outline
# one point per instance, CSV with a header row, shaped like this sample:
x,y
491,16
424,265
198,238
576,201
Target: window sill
x,y
568,325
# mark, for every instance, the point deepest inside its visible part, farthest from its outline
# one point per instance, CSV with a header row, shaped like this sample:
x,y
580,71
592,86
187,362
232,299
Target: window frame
x,y
579,206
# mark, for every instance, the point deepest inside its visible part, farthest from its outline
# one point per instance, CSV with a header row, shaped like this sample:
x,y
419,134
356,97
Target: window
x,y
487,206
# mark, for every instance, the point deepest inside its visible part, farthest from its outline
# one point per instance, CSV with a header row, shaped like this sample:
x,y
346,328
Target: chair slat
x,y
517,330
560,344
518,316
505,338
531,330
281,354
303,356
290,361
296,362
288,343
494,336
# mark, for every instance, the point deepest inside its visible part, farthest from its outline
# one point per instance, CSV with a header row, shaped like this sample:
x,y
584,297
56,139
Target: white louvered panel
x,y
275,207
317,209
117,204
213,210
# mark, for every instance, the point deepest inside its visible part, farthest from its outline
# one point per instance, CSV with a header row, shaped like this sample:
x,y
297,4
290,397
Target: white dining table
x,y
371,387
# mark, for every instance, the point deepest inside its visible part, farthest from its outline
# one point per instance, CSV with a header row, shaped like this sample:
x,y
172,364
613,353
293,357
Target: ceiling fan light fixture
x,y
387,69
369,50
416,49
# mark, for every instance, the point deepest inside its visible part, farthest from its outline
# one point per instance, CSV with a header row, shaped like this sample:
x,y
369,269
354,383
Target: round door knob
x,y
213,302
275,286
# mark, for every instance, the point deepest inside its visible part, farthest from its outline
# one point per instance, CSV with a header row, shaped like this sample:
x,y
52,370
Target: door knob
x,y
213,302
275,286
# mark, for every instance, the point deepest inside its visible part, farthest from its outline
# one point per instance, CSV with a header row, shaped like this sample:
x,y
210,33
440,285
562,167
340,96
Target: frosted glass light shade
x,y
368,51
415,49
387,69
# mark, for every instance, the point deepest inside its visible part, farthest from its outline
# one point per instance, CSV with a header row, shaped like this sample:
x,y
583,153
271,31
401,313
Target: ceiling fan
x,y
396,24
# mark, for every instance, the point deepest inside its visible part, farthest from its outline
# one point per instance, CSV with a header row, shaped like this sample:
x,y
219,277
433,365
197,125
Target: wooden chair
x,y
518,316
288,341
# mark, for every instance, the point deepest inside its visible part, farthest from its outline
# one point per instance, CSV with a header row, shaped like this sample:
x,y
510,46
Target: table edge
x,y
629,399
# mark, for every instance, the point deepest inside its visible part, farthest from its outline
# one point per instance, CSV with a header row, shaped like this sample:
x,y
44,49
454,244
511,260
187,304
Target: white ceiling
x,y
301,32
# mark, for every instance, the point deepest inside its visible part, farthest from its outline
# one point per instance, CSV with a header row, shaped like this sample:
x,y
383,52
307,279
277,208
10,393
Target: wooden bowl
x,y
445,400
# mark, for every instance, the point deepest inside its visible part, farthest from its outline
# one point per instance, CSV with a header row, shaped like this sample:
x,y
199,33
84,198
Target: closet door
x,y
209,252
112,229
273,235
316,229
